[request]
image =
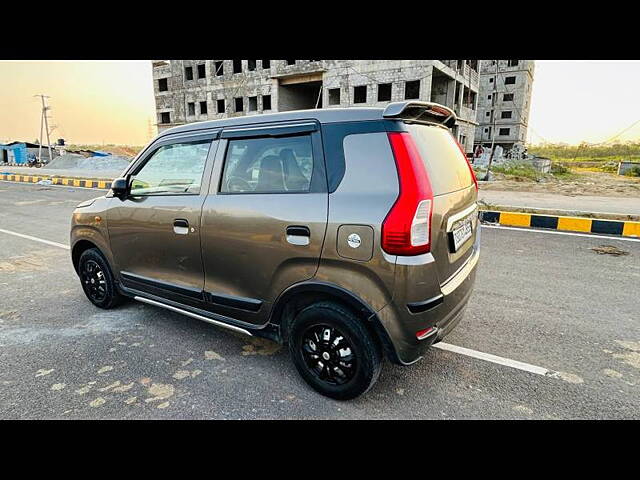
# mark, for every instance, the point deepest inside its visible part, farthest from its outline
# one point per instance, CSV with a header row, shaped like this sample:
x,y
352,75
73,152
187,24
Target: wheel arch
x,y
82,246
78,249
298,296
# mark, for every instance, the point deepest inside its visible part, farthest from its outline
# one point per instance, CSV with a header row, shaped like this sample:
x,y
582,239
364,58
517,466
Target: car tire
x,y
97,280
347,359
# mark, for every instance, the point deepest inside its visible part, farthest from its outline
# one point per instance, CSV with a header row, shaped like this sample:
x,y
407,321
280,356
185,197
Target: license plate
x,y
461,233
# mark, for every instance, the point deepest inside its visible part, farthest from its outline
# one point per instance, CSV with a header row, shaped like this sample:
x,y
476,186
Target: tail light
x,y
407,228
473,174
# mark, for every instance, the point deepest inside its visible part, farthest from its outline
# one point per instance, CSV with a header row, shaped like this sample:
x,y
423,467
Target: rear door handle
x,y
181,226
298,235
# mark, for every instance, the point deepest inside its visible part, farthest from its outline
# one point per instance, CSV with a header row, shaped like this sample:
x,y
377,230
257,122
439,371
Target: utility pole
x,y
44,123
493,123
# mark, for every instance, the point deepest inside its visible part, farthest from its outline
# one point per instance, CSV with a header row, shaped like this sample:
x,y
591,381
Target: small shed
x,y
17,153
14,153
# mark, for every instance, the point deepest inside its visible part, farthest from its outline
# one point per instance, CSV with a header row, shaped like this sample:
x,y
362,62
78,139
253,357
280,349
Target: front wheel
x,y
333,351
97,280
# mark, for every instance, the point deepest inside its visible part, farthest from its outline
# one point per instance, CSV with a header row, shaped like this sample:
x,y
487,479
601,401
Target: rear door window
x,y
447,168
268,165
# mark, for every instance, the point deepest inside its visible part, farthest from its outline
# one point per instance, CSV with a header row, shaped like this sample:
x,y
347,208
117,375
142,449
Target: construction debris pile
x,y
72,161
516,156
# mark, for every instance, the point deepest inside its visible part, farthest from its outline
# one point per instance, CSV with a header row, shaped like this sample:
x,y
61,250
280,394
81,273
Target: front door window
x,y
172,169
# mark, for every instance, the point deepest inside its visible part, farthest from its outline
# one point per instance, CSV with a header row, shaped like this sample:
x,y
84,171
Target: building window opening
x,y
384,92
253,104
360,94
412,89
334,96
266,102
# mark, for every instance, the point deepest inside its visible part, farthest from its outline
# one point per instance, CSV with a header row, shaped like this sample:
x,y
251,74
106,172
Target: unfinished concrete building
x,y
196,90
505,97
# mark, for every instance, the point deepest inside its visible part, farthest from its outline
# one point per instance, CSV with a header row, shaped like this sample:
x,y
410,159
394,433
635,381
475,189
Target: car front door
x,y
264,221
155,231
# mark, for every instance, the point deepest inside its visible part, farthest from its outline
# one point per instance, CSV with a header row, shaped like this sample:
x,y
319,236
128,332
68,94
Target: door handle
x,y
298,235
181,226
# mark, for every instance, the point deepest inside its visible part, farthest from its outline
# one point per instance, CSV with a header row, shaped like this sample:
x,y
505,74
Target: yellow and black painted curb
x,y
71,182
512,219
555,222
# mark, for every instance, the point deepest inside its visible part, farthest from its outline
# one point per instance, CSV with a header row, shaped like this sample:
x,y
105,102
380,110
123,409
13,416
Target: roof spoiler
x,y
421,112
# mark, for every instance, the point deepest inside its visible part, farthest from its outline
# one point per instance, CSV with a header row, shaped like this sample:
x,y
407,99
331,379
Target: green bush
x,y
559,169
586,152
518,170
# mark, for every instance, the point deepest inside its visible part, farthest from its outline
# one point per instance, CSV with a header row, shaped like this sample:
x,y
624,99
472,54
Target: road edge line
x,y
35,239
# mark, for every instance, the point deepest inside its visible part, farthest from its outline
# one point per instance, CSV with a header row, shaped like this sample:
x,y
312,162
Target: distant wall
x,y
624,167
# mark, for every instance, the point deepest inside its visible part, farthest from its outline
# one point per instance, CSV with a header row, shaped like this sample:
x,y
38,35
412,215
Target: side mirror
x,y
120,188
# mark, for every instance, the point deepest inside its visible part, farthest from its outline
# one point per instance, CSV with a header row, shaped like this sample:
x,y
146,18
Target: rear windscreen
x,y
447,168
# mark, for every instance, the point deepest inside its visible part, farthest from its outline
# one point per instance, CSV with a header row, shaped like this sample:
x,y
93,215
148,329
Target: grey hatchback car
x,y
348,234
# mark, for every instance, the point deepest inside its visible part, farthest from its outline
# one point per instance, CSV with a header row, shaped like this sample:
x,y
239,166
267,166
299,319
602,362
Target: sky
x,y
92,102
111,102
591,101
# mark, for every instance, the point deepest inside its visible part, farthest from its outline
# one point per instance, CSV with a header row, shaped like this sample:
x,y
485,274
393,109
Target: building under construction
x,y
196,90
504,103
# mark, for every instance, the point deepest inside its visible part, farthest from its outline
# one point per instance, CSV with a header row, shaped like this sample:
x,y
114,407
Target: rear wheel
x,y
97,280
333,351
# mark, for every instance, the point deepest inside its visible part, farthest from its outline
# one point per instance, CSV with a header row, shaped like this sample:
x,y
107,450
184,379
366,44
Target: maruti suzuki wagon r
x,y
347,234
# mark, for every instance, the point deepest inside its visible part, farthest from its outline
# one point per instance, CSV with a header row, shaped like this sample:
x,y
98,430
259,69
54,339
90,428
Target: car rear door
x,y
455,195
264,220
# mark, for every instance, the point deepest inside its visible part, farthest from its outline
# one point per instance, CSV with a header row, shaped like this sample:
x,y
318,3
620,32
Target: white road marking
x,y
35,239
558,232
507,362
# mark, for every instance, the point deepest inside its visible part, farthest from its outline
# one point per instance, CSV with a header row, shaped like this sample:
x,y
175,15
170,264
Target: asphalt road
x,y
544,299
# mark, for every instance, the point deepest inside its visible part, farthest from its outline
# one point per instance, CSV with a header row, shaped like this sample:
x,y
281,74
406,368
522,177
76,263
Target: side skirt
x,y
193,315
268,331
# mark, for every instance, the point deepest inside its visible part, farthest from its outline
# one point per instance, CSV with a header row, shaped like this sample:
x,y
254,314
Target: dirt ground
x,y
122,150
579,183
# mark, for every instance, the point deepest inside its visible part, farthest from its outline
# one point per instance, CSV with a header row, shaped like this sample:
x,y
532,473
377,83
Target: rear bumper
x,y
441,312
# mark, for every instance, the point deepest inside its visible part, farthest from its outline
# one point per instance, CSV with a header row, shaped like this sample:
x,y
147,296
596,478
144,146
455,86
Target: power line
x,y
617,135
